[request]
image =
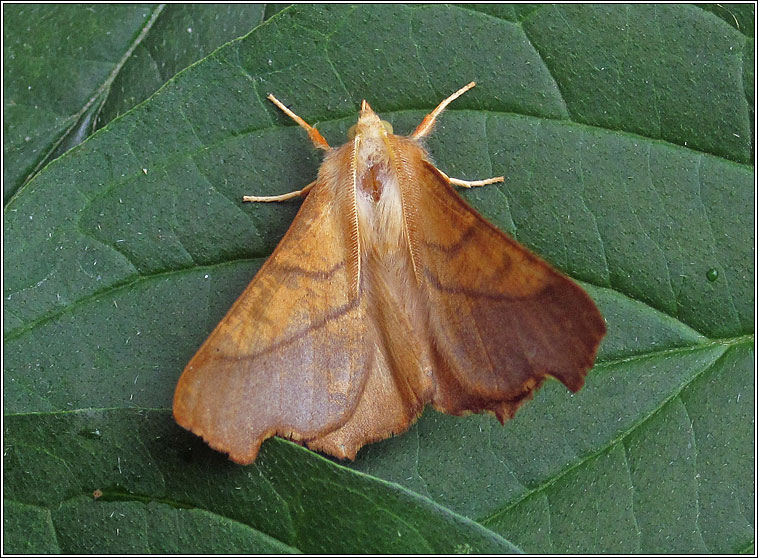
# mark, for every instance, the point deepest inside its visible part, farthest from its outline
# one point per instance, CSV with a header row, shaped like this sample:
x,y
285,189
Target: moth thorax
x,y
372,167
378,199
360,128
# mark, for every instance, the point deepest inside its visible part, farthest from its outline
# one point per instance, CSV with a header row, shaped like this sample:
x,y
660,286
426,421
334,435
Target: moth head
x,y
369,124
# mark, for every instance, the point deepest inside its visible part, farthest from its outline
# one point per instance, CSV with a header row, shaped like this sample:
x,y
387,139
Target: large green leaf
x,y
624,135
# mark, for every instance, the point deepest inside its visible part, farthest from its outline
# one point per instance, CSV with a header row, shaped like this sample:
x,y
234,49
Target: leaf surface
x,y
624,135
71,69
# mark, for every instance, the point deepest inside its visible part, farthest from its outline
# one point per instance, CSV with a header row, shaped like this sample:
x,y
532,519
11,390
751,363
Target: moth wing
x,y
382,411
271,366
501,319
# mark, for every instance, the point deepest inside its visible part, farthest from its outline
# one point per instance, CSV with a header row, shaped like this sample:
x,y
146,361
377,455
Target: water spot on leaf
x,y
91,434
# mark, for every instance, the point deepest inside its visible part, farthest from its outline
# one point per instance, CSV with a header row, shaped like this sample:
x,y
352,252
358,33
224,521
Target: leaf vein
x,y
103,88
620,438
697,474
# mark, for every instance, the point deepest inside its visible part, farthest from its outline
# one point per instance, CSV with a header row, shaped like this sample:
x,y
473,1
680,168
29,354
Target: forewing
x,y
501,319
289,358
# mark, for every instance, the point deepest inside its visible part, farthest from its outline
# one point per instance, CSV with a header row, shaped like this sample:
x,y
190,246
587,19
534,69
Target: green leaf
x,y
624,135
71,69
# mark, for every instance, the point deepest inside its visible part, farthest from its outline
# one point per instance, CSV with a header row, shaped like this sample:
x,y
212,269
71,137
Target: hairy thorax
x,y
378,199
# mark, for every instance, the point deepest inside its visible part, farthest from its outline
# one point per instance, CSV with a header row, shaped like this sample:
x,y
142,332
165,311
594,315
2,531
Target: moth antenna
x,y
281,197
471,183
318,140
427,124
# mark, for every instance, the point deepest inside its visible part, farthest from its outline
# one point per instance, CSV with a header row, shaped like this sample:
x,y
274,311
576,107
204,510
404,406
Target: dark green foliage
x,y
624,135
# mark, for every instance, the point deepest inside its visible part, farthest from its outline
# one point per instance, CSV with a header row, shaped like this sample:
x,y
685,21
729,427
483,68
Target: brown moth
x,y
388,292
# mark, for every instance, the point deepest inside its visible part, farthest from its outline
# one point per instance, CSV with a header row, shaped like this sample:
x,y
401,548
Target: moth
x,y
387,292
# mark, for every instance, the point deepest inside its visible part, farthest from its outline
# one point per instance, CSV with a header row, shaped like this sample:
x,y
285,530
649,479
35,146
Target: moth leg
x,y
471,183
281,197
427,124
318,140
